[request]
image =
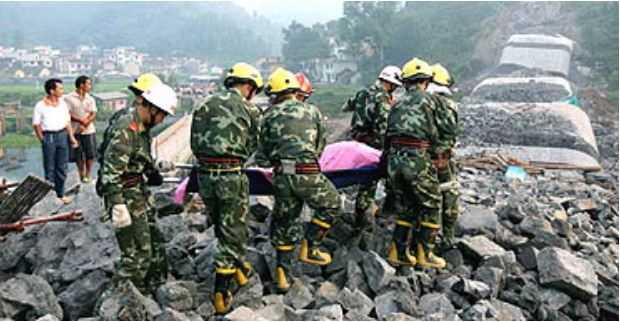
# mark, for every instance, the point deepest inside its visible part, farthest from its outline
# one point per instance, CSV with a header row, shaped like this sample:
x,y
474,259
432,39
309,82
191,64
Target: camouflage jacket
x,y
126,151
371,108
226,125
413,116
291,130
446,120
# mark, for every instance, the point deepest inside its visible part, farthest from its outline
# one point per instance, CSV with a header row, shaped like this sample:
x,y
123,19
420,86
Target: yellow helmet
x,y
280,81
441,76
416,69
244,72
144,82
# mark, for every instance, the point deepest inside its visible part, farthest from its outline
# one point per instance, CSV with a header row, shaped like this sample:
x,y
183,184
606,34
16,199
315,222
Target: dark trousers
x,y
55,158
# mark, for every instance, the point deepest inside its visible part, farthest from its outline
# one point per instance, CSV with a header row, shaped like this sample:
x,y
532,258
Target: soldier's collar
x,y
136,124
237,91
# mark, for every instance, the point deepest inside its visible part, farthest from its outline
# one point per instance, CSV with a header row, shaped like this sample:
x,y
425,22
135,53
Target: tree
x,y
367,28
302,43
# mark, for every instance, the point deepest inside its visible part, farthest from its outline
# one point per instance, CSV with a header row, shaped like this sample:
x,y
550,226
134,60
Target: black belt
x,y
54,132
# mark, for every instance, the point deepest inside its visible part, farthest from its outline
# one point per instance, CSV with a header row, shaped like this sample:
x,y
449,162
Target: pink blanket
x,y
343,155
348,155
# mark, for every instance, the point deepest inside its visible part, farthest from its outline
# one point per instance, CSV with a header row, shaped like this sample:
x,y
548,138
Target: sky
x,y
283,12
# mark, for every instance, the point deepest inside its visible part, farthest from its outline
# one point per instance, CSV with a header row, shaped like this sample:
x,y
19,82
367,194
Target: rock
x,y
48,317
438,306
171,226
326,294
273,312
507,311
561,270
355,301
15,247
79,299
553,300
454,257
547,239
399,316
331,312
298,296
526,256
243,313
251,294
378,271
491,276
394,302
357,316
206,310
533,226
273,299
178,296
137,306
480,247
26,297
481,311
171,315
355,278
477,220
473,290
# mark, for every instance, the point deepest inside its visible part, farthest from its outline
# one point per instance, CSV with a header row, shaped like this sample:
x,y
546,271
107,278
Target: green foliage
x,y
330,98
13,140
303,43
221,31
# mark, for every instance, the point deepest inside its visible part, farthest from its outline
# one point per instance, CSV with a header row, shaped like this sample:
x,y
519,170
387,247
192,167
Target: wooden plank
x,y
25,196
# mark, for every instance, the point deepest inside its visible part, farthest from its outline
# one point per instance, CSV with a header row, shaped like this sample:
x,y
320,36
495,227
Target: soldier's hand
x,y
154,178
120,216
164,165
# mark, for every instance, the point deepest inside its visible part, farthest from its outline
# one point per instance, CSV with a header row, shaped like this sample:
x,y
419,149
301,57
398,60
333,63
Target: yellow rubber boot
x,y
222,298
284,259
398,254
310,252
424,252
243,273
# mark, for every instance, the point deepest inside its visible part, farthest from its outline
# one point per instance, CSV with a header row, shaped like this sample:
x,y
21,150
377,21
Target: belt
x,y
220,160
131,180
299,168
54,132
409,142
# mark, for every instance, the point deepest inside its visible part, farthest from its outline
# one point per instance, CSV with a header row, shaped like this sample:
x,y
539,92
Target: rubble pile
x,y
526,93
490,126
607,140
545,249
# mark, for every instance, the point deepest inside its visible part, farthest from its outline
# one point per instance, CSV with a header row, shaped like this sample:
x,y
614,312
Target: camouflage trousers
x,y
450,194
226,196
414,187
291,192
143,252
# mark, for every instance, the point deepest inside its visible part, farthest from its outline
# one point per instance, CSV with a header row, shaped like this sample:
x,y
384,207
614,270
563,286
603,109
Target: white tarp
x,y
526,80
557,40
555,61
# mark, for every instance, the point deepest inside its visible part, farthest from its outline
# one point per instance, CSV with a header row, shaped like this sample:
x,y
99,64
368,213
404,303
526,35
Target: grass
x,y
329,98
14,140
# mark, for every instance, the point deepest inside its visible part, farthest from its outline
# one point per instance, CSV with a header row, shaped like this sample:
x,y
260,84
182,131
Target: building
x,y
331,71
267,65
111,100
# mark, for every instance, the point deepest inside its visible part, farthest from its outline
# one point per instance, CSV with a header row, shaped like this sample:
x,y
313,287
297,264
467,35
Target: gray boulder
x,y
355,301
437,307
477,220
27,297
79,299
179,296
378,271
562,270
480,247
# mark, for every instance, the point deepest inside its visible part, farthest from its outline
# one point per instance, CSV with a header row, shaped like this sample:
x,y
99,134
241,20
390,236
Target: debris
x,y
560,269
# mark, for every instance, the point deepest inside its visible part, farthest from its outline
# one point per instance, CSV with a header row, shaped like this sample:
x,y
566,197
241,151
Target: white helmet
x,y
162,96
391,74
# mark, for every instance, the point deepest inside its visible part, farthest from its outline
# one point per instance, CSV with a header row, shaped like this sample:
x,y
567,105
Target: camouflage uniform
x,y
223,136
293,132
371,108
446,118
125,155
411,175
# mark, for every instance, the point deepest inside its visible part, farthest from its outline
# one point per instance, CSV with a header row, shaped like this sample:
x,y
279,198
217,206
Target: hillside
x,y
220,31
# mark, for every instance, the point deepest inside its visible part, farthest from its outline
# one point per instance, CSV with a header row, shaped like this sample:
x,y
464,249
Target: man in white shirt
x,y
52,126
83,109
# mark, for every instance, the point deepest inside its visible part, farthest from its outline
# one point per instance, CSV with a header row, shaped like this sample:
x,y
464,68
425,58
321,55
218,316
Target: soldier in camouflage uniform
x,y
292,139
371,108
224,135
446,118
125,157
410,133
